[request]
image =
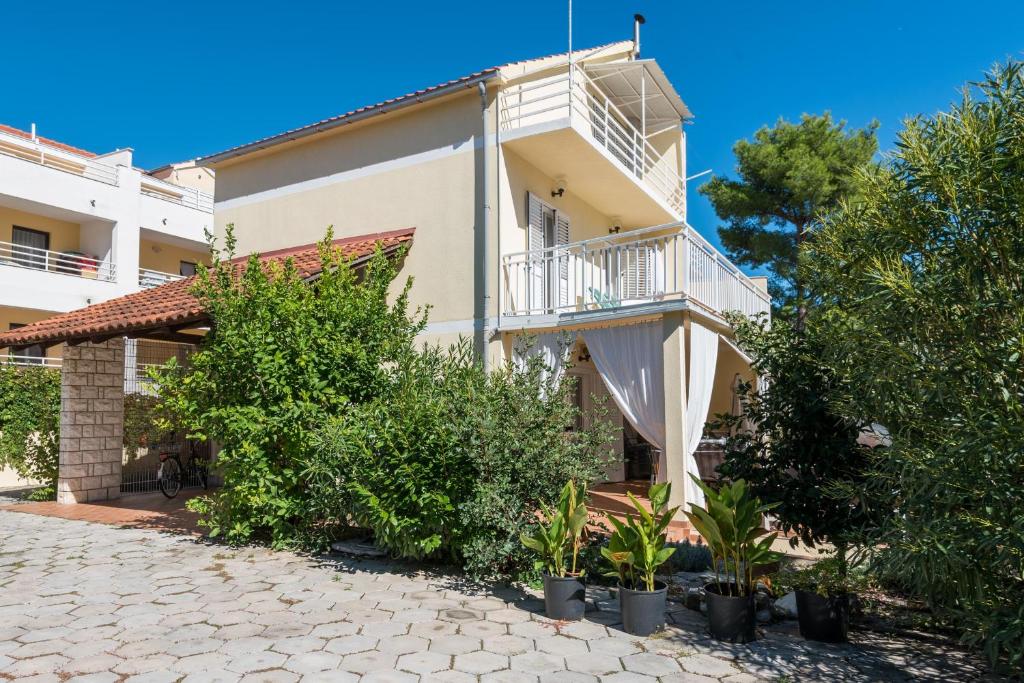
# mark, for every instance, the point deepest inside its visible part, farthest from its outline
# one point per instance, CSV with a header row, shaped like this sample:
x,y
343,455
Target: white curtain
x,y
553,349
701,380
629,359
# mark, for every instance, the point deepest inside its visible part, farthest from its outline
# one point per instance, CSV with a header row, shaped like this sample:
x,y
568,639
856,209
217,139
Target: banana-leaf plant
x,y
560,532
637,546
732,523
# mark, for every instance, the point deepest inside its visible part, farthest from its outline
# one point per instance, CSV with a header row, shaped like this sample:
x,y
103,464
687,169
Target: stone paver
x,y
81,601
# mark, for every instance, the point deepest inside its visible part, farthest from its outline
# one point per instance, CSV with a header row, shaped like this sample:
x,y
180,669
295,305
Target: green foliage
x,y
455,463
828,576
732,522
922,293
283,357
788,175
790,443
30,424
145,421
637,547
689,557
561,532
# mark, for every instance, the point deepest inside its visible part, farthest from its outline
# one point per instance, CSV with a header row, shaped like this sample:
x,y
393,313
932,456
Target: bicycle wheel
x,y
169,476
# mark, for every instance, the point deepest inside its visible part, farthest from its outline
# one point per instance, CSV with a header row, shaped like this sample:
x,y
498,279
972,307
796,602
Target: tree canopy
x,y
787,176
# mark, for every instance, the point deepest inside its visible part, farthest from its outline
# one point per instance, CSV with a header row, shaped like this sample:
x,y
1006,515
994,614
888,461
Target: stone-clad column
x,y
91,422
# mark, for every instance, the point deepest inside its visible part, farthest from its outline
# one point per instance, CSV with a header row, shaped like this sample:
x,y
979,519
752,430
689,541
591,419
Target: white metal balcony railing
x,y
53,157
186,196
640,266
69,162
31,361
154,278
63,263
582,101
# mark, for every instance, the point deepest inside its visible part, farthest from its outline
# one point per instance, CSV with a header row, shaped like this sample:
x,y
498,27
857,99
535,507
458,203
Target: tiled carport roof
x,y
161,312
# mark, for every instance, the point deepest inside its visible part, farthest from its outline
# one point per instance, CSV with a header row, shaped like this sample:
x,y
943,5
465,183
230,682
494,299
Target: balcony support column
x,y
672,467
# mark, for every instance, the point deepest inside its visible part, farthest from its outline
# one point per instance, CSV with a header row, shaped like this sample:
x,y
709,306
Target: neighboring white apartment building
x,y
78,228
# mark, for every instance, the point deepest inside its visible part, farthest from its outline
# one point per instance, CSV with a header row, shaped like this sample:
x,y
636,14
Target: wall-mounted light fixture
x,y
560,184
614,230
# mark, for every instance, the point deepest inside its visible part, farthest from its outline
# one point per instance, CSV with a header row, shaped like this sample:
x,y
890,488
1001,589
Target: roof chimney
x,y
638,21
33,132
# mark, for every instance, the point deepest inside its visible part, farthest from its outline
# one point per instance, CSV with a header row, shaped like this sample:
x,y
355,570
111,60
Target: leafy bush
x,y
560,532
921,284
689,557
146,422
828,576
455,463
638,546
30,424
283,357
791,443
732,521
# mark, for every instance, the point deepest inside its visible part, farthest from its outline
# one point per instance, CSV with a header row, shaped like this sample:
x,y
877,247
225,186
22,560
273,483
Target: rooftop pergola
x,y
93,368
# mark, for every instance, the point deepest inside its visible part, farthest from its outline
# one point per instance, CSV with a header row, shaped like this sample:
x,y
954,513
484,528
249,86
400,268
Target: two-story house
x,y
548,197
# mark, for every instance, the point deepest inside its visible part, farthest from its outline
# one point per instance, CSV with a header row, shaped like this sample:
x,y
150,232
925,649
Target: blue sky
x,y
177,80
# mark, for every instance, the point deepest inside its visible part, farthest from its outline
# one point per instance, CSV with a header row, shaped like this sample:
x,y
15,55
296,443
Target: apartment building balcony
x,y
613,130
609,274
154,278
67,263
101,186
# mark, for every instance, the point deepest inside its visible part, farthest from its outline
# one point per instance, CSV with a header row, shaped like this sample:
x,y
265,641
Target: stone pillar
x,y
673,460
91,422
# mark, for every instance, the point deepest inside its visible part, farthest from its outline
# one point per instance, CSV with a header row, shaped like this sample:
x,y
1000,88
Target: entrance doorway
x,y
639,455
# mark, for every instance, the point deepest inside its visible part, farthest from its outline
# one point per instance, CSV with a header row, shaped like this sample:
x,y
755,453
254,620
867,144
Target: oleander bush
x,y
30,424
921,291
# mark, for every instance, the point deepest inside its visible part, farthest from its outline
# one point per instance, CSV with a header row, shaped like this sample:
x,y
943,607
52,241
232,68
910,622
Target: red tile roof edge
x,y
47,141
172,305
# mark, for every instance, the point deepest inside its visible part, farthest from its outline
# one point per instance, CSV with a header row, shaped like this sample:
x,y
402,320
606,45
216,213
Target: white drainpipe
x,y
485,181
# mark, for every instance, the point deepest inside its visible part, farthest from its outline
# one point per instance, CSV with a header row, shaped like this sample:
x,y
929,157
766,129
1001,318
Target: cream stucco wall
x,y
416,169
64,235
167,258
23,316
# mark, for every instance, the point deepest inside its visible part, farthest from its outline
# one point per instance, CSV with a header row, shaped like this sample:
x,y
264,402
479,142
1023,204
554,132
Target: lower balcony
x,y
71,263
639,267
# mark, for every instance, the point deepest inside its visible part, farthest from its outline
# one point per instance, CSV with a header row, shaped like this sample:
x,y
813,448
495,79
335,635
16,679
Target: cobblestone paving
x,y
86,602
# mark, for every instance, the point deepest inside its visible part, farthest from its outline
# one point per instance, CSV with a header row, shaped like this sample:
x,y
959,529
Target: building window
x,y
186,268
30,247
27,354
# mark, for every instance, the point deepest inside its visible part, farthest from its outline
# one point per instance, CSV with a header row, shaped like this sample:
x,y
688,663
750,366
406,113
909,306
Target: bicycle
x,y
171,475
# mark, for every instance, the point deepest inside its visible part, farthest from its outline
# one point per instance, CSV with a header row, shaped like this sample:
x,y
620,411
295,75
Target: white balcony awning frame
x,y
640,89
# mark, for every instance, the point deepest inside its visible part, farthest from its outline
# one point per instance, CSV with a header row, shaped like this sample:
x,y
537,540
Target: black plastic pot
x,y
643,612
730,617
825,618
565,597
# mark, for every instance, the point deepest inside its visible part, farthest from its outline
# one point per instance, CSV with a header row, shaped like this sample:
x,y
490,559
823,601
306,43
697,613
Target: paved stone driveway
x,y
86,602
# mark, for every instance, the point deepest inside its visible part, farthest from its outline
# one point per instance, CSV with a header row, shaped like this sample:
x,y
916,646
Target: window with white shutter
x,y
548,266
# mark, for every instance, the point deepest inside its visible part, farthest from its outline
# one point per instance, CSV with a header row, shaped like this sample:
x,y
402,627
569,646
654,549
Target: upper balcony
x,y
651,265
101,169
612,129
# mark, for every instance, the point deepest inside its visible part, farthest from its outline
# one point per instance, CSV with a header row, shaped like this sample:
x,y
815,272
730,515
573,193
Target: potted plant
x,y
559,534
823,593
732,524
635,550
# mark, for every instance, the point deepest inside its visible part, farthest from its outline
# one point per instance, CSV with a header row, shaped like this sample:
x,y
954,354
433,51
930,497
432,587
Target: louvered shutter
x,y
561,239
535,243
637,272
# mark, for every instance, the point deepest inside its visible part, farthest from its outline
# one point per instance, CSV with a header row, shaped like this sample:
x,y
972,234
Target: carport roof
x,y
162,312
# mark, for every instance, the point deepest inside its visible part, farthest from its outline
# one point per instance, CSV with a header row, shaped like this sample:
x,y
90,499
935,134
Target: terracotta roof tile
x,y
172,304
46,141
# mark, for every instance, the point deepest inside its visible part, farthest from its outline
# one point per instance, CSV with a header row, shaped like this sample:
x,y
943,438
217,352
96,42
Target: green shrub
x,y
283,357
30,424
455,463
923,297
